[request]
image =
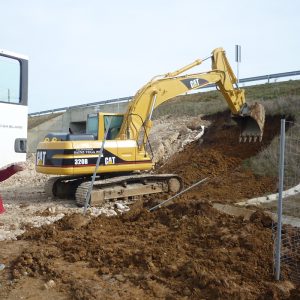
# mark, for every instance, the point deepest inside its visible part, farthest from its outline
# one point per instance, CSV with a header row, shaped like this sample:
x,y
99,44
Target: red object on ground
x,y
4,174
2,209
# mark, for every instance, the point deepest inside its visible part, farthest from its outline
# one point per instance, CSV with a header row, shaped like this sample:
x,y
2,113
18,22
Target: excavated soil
x,y
187,250
183,251
219,156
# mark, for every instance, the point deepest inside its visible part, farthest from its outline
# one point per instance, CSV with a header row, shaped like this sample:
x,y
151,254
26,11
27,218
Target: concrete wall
x,y
73,118
37,134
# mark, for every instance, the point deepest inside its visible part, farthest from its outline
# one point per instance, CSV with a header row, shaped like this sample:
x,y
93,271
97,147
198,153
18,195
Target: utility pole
x,y
238,58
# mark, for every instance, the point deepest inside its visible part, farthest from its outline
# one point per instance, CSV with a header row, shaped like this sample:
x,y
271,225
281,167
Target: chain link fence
x,y
287,228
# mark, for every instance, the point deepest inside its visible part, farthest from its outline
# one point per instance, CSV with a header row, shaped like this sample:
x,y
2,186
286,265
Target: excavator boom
x,y
160,89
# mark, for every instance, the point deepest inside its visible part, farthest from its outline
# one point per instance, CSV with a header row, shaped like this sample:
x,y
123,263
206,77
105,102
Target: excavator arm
x,y
160,89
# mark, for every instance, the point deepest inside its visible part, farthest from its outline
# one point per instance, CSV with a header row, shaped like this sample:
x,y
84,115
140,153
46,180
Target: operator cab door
x,y
13,107
126,148
118,151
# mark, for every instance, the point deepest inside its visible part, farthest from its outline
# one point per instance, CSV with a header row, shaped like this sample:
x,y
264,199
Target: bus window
x,y
10,74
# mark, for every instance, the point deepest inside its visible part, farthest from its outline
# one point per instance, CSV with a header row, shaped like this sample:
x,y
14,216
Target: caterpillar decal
x,y
194,83
47,158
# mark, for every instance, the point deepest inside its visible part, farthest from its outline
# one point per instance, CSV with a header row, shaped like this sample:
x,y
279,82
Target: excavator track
x,y
122,187
131,186
63,187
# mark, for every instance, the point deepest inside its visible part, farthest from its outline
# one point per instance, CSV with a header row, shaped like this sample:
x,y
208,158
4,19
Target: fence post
x,y
279,205
88,195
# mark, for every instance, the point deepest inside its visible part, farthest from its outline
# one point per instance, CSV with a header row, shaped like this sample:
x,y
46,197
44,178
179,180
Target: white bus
x,y
13,107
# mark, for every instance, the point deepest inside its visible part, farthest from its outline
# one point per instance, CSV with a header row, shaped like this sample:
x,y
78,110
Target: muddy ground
x,y
187,250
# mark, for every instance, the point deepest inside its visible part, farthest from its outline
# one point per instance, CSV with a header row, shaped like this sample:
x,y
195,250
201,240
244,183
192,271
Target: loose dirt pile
x,y
219,156
187,250
184,251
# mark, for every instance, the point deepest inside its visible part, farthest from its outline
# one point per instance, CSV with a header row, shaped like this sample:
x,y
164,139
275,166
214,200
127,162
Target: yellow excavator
x,y
122,139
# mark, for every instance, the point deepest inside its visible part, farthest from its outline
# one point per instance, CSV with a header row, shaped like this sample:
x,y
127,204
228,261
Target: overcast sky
x,y
87,50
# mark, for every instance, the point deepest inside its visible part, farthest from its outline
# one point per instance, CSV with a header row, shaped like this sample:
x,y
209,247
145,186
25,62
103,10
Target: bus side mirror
x,y
20,145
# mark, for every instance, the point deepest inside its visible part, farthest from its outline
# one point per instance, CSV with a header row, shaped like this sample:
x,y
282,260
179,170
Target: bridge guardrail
x,y
124,99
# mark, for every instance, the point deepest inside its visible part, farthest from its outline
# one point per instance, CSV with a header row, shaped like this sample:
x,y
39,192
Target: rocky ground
x,y
187,250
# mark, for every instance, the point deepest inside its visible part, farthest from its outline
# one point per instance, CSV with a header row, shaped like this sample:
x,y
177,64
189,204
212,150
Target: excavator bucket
x,y
251,122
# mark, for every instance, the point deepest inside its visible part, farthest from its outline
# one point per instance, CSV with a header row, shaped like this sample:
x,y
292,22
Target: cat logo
x,y
194,83
40,158
110,160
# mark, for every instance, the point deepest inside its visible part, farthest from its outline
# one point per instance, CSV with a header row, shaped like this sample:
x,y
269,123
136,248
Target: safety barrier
x,y
126,99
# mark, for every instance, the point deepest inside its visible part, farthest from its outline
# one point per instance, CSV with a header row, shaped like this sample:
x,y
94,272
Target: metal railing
x,y
126,99
62,109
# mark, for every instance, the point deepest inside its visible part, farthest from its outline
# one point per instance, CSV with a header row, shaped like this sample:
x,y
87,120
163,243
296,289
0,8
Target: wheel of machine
x,y
81,193
174,185
51,187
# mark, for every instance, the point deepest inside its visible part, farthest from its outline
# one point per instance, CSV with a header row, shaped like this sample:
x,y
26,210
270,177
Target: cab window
x,y
114,127
92,125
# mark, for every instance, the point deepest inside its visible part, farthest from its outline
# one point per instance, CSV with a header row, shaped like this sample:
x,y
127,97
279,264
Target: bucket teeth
x,y
249,139
251,120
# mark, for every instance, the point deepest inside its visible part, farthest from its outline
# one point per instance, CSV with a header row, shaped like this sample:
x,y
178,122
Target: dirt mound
x,y
187,250
219,156
184,251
